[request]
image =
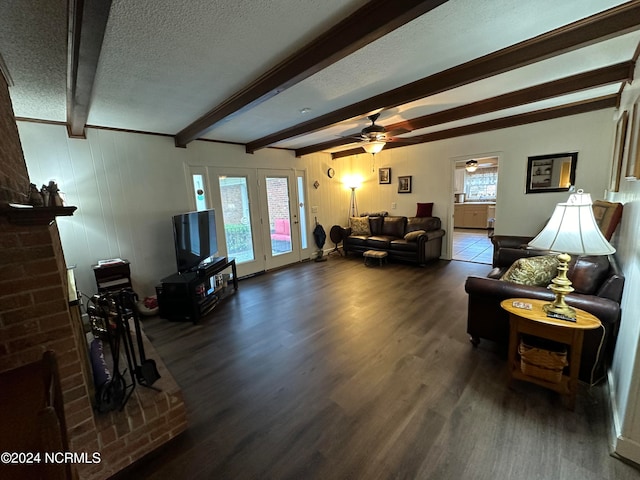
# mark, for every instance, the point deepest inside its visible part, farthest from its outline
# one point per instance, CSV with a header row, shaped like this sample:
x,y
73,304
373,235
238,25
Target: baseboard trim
x,y
620,447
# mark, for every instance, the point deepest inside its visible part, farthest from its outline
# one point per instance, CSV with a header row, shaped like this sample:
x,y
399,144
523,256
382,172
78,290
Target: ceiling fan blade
x,y
403,140
356,136
397,131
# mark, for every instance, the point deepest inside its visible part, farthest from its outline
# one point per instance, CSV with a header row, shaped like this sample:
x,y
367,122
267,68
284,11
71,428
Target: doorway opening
x,y
475,189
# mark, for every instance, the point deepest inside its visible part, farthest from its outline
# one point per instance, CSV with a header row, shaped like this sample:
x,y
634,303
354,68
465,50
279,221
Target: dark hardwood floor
x,y
335,370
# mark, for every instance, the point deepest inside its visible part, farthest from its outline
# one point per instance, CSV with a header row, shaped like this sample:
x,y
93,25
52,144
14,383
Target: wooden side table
x,y
535,322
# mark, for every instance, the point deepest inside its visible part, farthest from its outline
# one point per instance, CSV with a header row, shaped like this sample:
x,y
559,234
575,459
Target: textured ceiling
x,y
33,43
165,63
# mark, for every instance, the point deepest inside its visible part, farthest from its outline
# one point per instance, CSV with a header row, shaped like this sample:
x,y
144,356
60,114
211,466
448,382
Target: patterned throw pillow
x,y
535,271
413,236
360,226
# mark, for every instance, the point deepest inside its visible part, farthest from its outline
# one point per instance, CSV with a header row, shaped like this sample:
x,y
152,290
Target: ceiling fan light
x,y
373,147
471,165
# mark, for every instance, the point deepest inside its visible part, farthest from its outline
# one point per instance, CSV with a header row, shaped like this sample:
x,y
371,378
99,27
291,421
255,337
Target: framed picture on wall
x,y
404,184
384,175
618,151
551,173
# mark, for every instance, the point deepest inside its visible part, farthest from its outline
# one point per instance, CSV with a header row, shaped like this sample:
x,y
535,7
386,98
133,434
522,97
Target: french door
x,y
280,219
263,216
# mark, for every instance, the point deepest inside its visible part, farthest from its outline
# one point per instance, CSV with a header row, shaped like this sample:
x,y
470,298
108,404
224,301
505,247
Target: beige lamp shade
x,y
573,229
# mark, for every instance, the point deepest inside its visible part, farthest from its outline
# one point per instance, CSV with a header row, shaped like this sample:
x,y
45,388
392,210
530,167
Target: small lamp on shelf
x,y
572,229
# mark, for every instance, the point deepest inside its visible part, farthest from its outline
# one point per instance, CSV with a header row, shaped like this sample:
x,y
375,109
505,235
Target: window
x,y
198,190
482,184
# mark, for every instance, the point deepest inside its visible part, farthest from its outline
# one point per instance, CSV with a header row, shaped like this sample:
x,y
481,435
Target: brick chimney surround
x,y
35,316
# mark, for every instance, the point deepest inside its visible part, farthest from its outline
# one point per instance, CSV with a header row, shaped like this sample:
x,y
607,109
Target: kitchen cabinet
x,y
472,215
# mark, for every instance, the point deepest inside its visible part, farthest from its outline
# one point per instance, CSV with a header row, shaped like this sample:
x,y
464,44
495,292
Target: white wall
x,y
517,213
127,186
624,378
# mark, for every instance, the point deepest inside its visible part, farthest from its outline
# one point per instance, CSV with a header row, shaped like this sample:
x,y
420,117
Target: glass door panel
x,y
199,192
280,221
236,215
277,189
304,244
234,195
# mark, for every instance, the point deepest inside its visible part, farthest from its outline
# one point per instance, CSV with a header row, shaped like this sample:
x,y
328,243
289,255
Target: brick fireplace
x,y
35,316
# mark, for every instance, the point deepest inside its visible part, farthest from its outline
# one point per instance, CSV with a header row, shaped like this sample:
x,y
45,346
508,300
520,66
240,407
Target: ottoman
x,y
380,255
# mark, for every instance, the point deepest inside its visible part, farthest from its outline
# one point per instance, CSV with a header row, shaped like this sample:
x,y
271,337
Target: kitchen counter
x,y
475,203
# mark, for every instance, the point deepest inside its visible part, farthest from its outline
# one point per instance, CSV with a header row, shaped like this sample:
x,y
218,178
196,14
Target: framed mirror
x,y
551,173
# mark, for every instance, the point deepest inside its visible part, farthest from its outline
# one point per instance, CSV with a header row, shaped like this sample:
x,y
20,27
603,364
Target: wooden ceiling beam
x,y
374,20
584,106
620,72
87,24
608,24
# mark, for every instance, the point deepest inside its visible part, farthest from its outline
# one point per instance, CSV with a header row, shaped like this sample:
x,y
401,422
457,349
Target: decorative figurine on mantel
x,y
45,195
35,198
50,195
55,200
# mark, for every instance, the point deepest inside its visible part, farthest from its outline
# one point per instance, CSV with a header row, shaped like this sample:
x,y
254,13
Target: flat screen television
x,y
194,234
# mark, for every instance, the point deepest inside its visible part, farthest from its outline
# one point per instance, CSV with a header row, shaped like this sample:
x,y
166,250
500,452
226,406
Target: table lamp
x,y
572,229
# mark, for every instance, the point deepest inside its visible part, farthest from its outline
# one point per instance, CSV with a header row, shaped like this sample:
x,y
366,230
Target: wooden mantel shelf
x,y
25,215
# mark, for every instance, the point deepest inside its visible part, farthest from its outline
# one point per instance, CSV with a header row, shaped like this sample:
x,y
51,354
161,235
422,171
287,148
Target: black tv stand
x,y
191,295
208,264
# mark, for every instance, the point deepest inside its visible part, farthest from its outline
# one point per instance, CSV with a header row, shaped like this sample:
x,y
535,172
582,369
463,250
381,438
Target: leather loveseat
x,y
598,284
412,239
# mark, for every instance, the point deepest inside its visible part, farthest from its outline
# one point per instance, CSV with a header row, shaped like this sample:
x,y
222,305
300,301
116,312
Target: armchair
x,y
598,284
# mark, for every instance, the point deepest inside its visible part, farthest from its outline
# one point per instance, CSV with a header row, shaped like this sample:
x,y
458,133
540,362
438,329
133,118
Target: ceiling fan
x,y
473,164
375,137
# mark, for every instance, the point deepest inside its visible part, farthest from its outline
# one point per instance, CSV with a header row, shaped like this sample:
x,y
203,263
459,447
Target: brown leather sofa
x,y
598,284
388,234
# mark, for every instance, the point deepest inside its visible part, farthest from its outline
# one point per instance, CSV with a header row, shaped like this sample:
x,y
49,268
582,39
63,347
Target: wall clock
x,y
331,172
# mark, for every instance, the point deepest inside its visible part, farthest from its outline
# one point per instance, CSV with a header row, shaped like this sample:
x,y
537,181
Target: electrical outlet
x,y
314,209
394,205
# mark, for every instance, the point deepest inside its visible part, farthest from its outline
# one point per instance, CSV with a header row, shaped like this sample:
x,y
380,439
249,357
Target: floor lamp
x,y
353,206
572,229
